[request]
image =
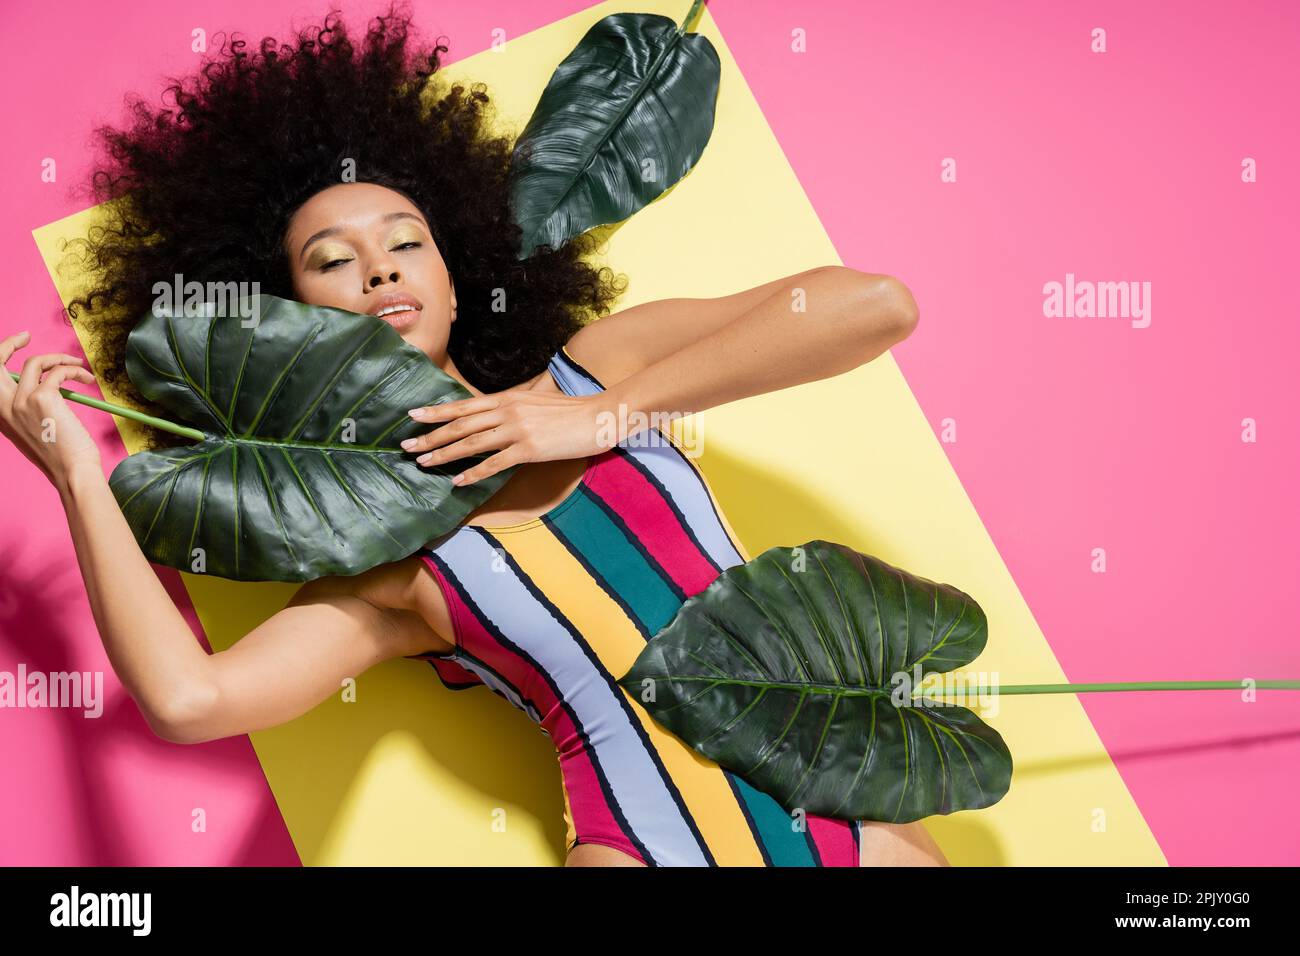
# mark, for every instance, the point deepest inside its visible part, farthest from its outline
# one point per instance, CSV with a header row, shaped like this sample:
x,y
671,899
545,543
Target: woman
x,y
328,172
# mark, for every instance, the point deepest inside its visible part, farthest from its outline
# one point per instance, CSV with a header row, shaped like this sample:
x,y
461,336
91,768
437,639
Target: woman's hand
x,y
522,425
37,419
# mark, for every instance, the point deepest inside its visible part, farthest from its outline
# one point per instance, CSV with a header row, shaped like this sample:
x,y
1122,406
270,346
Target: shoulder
x,y
602,356
606,349
404,595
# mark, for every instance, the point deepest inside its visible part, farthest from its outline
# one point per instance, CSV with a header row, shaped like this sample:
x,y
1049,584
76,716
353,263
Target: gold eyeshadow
x,y
326,253
407,232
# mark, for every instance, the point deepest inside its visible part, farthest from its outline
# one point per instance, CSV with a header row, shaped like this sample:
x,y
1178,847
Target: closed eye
x,y
408,245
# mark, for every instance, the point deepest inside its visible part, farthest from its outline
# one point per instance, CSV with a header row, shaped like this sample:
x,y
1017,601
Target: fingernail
x,y
458,479
408,444
416,412
425,459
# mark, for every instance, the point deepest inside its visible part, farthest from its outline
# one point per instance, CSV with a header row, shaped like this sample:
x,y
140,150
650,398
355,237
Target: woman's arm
x,y
672,358
147,640
622,344
333,628
796,329
811,326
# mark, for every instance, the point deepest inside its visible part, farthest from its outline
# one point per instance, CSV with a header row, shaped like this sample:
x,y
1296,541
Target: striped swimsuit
x,y
550,612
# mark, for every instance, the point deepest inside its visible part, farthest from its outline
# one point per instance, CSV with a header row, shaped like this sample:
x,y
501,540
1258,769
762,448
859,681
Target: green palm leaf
x,y
786,671
300,473
625,116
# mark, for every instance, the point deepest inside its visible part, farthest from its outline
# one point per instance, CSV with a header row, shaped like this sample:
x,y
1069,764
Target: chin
x,y
421,340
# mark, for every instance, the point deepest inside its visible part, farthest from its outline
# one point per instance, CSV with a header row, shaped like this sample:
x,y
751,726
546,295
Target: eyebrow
x,y
334,230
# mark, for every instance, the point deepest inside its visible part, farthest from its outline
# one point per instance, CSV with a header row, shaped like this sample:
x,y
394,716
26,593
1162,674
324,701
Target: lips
x,y
401,310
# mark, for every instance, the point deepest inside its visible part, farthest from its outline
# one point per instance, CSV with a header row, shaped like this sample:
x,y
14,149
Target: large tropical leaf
x,y
784,670
624,117
301,474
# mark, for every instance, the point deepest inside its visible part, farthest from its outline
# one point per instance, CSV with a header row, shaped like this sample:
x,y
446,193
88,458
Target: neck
x,y
448,366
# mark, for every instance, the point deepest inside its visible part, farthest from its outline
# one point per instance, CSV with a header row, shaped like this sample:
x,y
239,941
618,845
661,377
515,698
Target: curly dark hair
x,y
206,189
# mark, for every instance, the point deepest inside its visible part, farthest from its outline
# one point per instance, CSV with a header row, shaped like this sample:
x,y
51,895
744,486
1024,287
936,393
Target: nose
x,y
382,269
382,276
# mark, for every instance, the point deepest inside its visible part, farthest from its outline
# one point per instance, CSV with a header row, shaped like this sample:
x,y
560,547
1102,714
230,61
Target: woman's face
x,y
365,248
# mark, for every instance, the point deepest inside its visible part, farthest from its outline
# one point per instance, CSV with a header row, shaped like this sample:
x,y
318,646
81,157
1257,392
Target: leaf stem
x,y
1122,686
690,15
131,413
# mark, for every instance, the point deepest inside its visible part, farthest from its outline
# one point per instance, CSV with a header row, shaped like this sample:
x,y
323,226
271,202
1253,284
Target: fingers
x,y
35,367
457,429
473,445
61,374
487,467
7,385
15,342
447,410
11,345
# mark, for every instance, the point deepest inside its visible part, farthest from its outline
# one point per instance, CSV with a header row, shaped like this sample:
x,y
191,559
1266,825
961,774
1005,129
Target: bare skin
x,y
364,248
883,844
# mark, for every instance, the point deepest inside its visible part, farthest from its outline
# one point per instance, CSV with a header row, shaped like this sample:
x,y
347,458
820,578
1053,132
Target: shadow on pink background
x,y
1074,434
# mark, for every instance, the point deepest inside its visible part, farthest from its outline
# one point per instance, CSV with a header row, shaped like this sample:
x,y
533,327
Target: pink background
x,y
1074,433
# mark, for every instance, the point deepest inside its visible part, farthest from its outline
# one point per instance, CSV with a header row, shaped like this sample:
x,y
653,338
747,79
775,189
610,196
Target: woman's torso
x,y
548,613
